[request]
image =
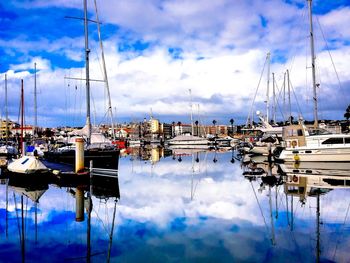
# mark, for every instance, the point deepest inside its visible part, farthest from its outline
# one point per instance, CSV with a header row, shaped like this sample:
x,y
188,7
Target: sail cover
x,y
27,165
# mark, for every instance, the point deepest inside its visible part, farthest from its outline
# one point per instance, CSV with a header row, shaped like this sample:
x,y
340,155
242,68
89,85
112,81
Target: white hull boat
x,y
302,146
188,141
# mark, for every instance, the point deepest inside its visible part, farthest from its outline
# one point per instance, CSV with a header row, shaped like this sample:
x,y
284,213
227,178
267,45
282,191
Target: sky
x,y
164,55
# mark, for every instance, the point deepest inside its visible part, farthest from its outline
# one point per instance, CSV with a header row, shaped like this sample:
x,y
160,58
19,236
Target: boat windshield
x,y
318,131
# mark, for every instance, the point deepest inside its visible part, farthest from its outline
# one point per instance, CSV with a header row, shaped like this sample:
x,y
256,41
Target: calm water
x,y
183,208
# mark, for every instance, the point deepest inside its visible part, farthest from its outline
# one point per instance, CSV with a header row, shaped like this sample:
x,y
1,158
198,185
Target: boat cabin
x,y
294,136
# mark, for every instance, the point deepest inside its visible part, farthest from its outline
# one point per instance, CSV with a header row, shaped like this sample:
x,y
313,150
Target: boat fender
x,y
56,172
294,144
296,158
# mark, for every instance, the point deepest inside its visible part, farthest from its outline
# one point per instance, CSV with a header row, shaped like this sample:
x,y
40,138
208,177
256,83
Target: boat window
x,y
318,131
301,190
347,140
300,132
336,140
292,132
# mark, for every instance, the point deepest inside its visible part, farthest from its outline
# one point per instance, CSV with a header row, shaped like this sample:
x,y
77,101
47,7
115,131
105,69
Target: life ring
x,y
294,144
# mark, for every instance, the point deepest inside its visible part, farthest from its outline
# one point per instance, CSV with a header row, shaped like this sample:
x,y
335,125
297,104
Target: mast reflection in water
x,y
183,206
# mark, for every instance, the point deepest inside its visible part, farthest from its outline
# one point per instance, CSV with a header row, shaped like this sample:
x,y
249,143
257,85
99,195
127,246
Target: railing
x,y
102,171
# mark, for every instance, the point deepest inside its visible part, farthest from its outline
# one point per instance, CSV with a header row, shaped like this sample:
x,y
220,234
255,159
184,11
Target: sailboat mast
x,y
191,112
268,89
313,65
87,51
111,234
318,213
7,207
105,71
274,97
284,97
289,100
22,234
6,111
35,104
22,116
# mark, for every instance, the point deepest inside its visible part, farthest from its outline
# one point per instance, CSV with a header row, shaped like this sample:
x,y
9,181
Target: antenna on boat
x,y
314,86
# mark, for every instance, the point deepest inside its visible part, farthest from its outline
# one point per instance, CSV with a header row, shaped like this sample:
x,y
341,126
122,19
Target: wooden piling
x,y
79,154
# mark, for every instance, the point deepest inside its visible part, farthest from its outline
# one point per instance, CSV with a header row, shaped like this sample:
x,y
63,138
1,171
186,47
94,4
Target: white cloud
x,y
222,47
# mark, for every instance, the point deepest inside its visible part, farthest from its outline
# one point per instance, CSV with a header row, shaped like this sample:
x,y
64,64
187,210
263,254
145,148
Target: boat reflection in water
x,y
22,204
182,206
315,179
310,182
104,189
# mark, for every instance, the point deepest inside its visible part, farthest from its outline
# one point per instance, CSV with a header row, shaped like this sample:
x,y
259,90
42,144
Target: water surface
x,y
180,208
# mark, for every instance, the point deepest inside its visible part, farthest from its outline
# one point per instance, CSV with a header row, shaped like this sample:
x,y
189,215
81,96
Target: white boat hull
x,y
316,155
188,141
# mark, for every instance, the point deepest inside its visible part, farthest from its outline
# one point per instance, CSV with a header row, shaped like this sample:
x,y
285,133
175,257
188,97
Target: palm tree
x,y
173,128
347,115
197,122
232,121
214,122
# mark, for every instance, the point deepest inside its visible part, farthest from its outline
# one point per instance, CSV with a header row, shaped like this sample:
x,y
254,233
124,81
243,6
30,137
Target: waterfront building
x,y
182,128
166,130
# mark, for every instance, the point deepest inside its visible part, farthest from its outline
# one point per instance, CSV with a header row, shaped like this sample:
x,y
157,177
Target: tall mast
x,y
313,65
318,213
105,71
268,88
87,51
22,116
284,97
191,112
111,234
289,101
35,104
274,97
6,111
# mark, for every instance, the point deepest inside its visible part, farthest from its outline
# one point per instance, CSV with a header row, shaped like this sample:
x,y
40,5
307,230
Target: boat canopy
x,y
27,165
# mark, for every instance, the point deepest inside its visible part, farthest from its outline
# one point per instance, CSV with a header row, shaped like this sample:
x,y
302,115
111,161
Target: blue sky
x,y
157,50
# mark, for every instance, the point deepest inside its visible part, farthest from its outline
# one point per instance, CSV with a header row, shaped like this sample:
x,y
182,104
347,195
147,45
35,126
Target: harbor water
x,y
184,206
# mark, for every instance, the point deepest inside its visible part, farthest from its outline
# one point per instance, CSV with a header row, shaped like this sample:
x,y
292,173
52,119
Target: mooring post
x,y
79,154
79,203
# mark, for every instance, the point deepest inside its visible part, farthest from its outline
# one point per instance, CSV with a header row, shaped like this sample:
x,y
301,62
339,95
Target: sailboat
x,y
269,135
315,145
27,164
97,148
188,141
